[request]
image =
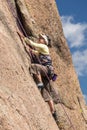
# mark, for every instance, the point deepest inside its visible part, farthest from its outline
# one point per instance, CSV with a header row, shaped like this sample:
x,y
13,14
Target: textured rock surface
x,y
21,105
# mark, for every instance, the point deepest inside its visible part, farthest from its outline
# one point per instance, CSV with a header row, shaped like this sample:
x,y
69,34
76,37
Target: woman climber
x,y
43,71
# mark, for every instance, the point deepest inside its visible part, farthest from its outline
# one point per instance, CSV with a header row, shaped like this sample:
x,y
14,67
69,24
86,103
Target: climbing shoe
x,y
40,85
55,116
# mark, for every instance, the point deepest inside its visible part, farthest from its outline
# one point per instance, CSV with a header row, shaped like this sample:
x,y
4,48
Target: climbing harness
x,y
47,62
40,62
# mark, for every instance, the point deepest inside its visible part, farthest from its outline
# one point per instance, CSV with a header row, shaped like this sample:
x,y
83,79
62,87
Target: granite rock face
x,y
21,104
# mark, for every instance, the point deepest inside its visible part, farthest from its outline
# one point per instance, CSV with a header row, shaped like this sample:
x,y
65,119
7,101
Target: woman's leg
x,y
38,70
52,109
38,77
51,105
38,81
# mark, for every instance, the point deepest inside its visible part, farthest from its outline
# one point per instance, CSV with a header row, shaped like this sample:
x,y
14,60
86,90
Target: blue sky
x,y
74,21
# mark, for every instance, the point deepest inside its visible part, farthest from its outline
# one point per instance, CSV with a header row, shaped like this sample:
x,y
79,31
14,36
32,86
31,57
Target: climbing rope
x,y
68,118
21,26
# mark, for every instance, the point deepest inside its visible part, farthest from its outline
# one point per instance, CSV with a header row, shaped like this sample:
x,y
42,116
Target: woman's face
x,y
41,40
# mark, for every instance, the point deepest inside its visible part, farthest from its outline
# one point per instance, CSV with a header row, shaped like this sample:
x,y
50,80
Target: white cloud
x,y
75,33
80,62
85,97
